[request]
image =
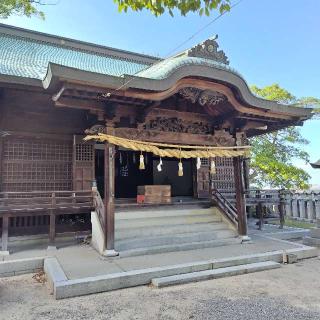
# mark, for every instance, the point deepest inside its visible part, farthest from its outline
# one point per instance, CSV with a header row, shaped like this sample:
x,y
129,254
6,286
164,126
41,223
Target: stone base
x,y
110,253
315,233
52,248
245,239
311,241
4,253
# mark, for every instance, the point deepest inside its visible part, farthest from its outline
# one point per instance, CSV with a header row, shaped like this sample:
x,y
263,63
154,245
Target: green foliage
x,y
20,7
273,153
158,7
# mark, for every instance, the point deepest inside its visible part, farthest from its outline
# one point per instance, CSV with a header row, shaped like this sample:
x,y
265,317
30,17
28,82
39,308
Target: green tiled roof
x,y
24,57
164,68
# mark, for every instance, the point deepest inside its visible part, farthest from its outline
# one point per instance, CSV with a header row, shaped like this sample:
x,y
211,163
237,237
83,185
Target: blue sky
x,y
266,41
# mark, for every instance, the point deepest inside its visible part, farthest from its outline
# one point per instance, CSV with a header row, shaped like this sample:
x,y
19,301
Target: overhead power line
x,y
108,94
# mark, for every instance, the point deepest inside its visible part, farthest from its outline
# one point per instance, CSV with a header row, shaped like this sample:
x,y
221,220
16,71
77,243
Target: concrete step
x,y
315,233
178,247
214,274
147,242
131,232
167,220
309,241
142,214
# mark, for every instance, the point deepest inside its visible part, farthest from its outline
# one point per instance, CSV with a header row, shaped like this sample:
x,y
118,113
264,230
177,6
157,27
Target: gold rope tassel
x,y
141,164
213,169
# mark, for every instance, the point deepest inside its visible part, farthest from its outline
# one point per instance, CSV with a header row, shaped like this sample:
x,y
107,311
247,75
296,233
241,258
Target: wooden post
x,y
109,178
240,196
5,232
52,228
261,210
282,204
52,223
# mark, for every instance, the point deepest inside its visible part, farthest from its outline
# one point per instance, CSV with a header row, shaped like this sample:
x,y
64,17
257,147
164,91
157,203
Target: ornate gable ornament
x,y
203,97
209,50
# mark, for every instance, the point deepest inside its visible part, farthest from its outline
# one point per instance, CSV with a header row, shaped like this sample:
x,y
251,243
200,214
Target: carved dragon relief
x,y
220,137
178,125
95,129
209,50
203,97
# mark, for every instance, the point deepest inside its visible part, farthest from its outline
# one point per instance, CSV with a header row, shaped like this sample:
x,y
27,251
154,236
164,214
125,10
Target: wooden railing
x,y
13,203
36,211
225,206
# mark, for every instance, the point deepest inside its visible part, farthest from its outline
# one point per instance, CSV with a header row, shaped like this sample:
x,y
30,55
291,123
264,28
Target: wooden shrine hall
x,y
160,131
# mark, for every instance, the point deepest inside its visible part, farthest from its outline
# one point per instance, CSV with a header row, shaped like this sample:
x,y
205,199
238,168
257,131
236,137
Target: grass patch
x,y
294,224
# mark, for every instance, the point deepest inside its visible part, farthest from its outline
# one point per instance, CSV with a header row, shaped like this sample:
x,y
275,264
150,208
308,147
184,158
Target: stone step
x,y
131,232
315,233
178,247
142,214
214,274
147,242
309,241
167,220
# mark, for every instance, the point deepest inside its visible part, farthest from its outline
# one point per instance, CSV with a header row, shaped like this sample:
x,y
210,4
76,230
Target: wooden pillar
x,y
52,228
52,220
240,195
5,233
282,208
109,178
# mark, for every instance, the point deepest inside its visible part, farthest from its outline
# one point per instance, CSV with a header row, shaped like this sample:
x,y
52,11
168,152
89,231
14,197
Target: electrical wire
x,y
108,94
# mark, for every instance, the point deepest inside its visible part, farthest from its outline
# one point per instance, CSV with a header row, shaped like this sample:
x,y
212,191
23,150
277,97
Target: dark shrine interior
x,y
128,176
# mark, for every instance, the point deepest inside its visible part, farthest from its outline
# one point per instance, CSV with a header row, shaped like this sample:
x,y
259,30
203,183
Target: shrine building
x,y
161,133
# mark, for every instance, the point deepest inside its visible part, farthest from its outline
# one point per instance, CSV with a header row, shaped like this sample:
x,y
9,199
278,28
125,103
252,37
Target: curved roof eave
x,y
214,73
57,73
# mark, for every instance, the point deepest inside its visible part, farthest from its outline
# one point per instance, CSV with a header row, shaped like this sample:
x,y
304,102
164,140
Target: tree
x,y
21,7
158,7
273,154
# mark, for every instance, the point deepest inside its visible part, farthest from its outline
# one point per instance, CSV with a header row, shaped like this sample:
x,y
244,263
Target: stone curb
x,y
11,268
77,287
54,272
214,274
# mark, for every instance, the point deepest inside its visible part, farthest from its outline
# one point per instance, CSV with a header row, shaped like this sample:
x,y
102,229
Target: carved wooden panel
x,y
32,164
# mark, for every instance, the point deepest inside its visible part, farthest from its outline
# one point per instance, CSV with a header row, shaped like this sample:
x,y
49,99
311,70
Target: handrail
x,y
225,206
44,200
99,207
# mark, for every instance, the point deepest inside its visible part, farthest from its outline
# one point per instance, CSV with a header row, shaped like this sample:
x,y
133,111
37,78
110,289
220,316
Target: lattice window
x,y
204,161
84,152
224,177
36,164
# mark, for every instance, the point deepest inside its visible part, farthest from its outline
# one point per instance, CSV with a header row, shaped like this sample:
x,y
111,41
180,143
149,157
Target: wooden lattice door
x,y
83,163
203,179
222,180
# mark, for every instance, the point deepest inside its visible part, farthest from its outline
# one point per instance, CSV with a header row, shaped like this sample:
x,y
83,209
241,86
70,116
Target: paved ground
x,y
291,292
80,261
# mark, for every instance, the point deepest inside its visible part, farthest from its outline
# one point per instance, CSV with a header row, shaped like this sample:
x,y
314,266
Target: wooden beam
x,y
109,182
56,96
240,196
141,116
206,85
